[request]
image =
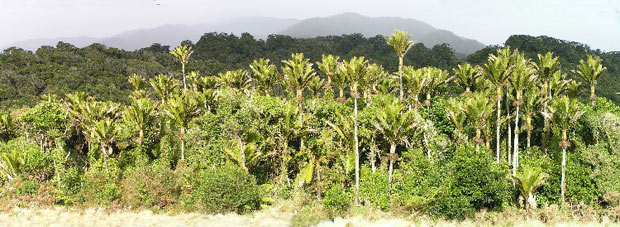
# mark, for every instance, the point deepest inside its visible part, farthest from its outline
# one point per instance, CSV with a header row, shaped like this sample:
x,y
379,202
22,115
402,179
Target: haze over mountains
x,y
261,27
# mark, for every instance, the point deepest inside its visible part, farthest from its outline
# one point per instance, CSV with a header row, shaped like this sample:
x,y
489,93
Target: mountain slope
x,y
348,23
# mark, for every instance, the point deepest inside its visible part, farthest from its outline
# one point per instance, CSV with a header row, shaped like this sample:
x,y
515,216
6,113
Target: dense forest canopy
x,y
103,72
232,124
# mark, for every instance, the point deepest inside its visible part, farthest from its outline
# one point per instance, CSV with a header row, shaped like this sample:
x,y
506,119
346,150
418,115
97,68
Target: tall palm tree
x,y
546,68
466,76
414,82
142,113
164,86
181,109
298,72
591,70
478,110
521,77
356,70
328,66
245,152
564,113
394,123
556,88
401,43
182,53
533,103
265,75
496,71
456,112
527,181
435,77
316,86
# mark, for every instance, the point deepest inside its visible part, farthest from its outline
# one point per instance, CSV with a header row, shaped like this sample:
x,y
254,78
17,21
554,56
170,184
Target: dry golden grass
x,y
268,217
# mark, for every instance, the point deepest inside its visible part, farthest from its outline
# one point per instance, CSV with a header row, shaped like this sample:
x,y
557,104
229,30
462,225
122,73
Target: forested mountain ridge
x,y
102,71
262,27
350,23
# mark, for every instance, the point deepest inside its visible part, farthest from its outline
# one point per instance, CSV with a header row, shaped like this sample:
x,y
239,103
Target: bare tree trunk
x,y
400,77
515,164
391,169
497,131
592,94
318,178
184,80
242,153
563,180
509,132
529,135
357,154
182,143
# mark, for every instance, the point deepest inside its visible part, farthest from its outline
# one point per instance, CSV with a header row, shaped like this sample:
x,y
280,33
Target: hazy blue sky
x,y
594,22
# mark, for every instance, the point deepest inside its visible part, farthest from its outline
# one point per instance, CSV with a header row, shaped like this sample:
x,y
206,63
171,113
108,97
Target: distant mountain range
x,y
261,27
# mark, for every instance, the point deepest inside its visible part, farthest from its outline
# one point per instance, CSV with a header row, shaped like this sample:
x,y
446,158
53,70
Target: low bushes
x,y
222,190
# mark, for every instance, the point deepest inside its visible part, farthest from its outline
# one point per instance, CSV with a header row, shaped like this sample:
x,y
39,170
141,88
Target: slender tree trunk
x,y
515,157
497,131
391,168
592,94
182,143
400,77
373,154
509,132
357,154
184,80
284,167
529,135
563,180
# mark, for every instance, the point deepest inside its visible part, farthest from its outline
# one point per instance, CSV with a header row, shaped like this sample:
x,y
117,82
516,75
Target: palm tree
x,y
137,82
533,102
557,86
142,114
521,77
181,110
298,72
164,86
288,129
400,43
415,82
394,124
182,53
316,86
104,132
341,81
564,113
245,152
466,76
497,72
356,71
237,79
328,66
573,89
527,181
478,109
456,111
591,70
265,75
435,77
546,68
6,126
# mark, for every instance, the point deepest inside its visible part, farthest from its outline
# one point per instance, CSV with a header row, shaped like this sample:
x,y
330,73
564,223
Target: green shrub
x,y
475,182
100,183
226,189
29,188
375,188
149,187
69,185
32,161
418,181
337,201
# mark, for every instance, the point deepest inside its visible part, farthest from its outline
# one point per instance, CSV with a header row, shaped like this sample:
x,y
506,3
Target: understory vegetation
x,y
330,137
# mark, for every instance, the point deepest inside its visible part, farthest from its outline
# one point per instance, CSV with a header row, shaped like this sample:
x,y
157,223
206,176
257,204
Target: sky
x,y
593,22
